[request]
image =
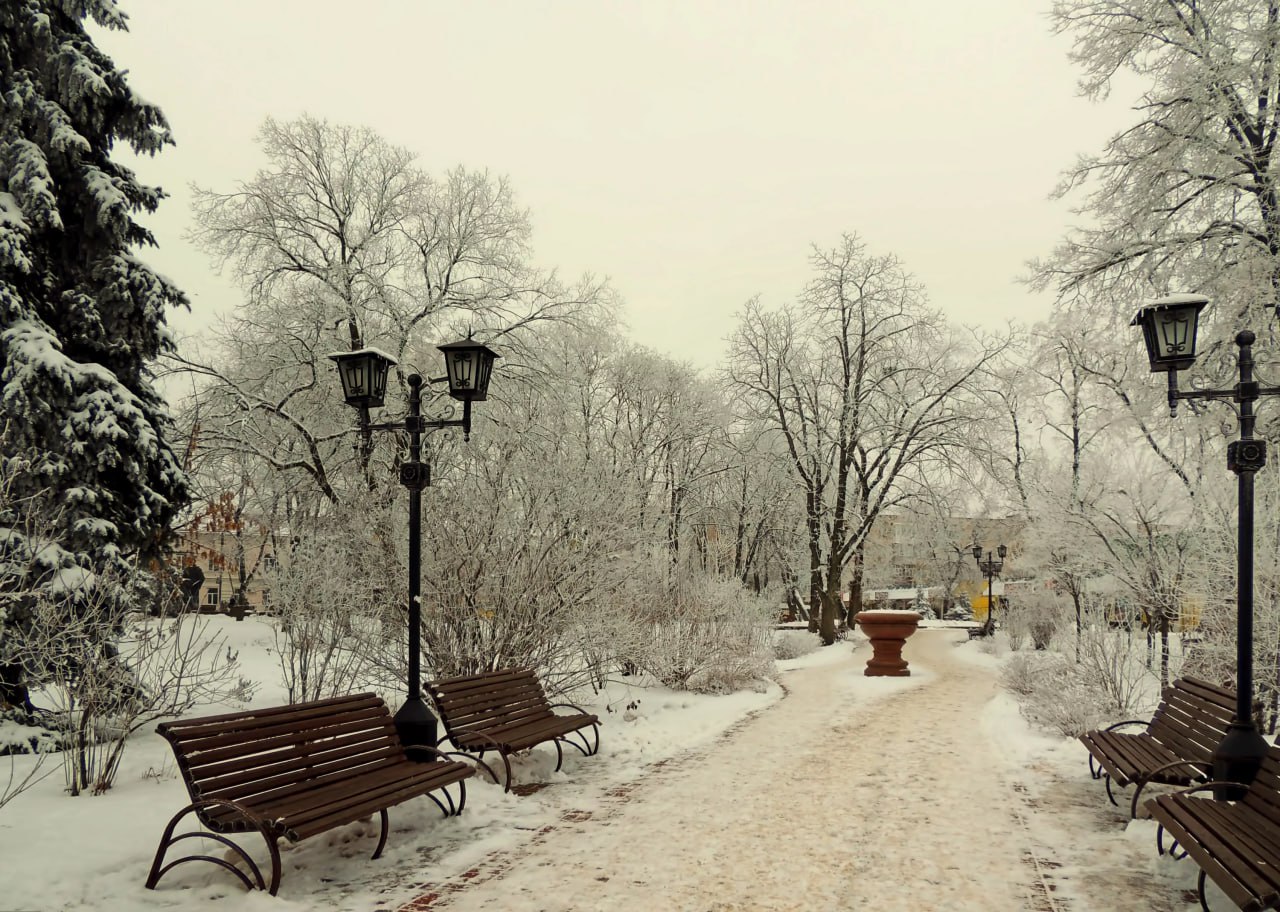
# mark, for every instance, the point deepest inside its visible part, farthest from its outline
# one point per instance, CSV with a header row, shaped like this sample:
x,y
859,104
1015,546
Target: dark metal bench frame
x,y
293,772
508,711
1237,843
1176,747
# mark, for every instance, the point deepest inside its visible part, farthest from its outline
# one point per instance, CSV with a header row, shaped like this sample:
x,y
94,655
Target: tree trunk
x,y
1075,597
1164,649
827,629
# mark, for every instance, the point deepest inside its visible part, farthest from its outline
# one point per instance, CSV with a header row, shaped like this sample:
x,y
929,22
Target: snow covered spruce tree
x,y
81,318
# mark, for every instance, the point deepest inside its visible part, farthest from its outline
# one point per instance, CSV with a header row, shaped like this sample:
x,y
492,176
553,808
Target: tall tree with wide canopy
x,y
1188,196
868,388
81,316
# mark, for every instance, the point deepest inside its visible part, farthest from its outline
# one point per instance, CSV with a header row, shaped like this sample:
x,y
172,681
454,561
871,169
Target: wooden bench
x,y
1177,746
295,771
507,711
1237,843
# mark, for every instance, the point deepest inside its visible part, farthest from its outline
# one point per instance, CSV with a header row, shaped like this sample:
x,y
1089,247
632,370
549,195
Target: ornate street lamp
x,y
364,382
1169,329
991,566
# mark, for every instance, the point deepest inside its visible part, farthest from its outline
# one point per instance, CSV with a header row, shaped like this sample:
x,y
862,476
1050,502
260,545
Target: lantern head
x,y
1169,329
364,376
468,364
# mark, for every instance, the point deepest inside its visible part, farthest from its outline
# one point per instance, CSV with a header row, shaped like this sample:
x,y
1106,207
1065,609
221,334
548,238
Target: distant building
x,y
232,552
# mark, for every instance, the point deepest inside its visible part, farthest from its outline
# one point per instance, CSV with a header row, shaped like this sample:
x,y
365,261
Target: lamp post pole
x,y
1241,752
991,597
415,724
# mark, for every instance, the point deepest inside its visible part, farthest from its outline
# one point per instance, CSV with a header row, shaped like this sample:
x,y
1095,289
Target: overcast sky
x,y
692,151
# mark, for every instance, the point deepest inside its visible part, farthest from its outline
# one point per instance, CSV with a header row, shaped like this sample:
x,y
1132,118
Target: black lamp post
x,y
1169,329
991,566
468,365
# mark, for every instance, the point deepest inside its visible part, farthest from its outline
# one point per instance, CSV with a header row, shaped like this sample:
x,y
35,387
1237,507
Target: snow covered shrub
x,y
1070,698
792,644
1066,702
325,604
106,670
1055,693
716,637
1021,673
1114,668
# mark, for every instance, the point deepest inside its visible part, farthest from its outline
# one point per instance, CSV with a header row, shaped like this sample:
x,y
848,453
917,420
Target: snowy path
x,y
916,814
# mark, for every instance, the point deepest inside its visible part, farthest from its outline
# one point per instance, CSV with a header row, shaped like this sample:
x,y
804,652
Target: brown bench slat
x,y
205,725
192,745
310,822
300,754
317,735
487,680
312,803
276,792
228,785
482,700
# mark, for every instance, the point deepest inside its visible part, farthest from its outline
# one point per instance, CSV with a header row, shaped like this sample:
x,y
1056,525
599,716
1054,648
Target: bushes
x,y
715,638
792,644
1056,693
1108,683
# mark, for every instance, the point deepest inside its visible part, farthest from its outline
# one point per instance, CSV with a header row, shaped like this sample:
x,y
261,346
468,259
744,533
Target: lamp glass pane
x,y
485,368
462,370
1173,333
353,378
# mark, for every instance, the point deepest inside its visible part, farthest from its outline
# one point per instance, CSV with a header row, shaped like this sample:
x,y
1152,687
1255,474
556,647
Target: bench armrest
x,y
1127,722
1203,786
568,706
443,755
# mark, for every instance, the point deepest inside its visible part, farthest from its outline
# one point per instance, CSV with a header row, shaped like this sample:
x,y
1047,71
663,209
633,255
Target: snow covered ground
x,y
830,791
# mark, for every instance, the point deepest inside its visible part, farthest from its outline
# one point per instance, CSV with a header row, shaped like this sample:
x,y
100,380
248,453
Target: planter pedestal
x,y
888,632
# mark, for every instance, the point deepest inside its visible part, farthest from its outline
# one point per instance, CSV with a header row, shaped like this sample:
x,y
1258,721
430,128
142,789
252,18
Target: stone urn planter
x,y
888,632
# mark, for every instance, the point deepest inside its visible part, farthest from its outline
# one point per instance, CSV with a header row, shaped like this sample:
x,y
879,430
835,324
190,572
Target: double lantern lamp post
x,y
468,365
1169,328
991,566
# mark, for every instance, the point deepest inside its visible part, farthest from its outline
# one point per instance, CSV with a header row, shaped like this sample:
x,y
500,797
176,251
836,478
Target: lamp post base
x,y
1237,760
415,725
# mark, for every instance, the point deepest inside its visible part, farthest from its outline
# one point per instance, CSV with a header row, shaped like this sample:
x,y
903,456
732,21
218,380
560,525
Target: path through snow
x,y
902,803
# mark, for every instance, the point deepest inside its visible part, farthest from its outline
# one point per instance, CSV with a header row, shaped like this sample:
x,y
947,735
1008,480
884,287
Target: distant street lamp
x,y
363,372
991,566
1169,329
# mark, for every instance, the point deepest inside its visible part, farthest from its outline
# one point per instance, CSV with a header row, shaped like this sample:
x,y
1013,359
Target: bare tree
x,y
342,242
867,387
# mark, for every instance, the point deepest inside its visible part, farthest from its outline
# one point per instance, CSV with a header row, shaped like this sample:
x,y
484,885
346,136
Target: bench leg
x,y
1204,904
586,748
382,837
168,839
1110,797
1172,847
